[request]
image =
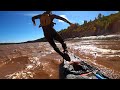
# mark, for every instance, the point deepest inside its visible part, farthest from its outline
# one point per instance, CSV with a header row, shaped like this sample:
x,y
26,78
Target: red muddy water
x,y
40,61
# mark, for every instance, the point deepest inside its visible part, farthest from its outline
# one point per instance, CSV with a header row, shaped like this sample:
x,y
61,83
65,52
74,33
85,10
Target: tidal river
x,y
39,60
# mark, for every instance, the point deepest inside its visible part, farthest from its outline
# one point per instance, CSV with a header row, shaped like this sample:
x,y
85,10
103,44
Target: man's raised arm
x,y
63,19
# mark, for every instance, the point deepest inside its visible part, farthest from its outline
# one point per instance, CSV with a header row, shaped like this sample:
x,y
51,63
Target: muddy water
x,y
29,61
105,54
40,61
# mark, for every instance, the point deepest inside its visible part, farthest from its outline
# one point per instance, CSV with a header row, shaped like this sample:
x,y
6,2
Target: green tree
x,y
99,16
90,20
95,18
85,21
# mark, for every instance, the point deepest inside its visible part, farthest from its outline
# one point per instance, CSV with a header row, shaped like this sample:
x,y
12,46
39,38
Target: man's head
x,y
48,12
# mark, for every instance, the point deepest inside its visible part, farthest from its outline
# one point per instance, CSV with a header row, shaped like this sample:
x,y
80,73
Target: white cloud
x,y
30,14
33,13
64,16
81,22
29,23
116,11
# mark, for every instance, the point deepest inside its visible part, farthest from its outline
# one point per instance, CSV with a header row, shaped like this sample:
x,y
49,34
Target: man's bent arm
x,y
35,17
61,18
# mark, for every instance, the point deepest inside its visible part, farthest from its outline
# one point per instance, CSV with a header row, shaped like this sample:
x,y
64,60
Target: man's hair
x,y
48,12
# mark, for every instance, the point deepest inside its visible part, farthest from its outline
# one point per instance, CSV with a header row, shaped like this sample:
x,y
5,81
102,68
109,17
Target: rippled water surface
x,y
40,61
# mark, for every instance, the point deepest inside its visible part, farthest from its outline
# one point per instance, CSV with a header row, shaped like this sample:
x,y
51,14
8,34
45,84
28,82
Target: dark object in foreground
x,y
80,70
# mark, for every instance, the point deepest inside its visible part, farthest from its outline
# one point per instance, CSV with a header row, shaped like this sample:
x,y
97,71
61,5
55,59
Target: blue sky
x,y
16,26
